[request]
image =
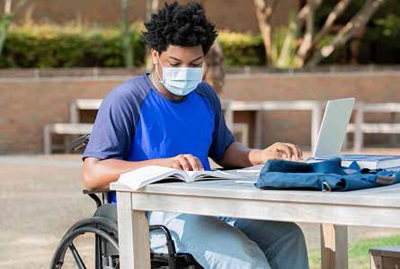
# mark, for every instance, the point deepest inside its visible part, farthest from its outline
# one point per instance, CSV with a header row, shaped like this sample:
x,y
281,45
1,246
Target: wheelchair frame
x,y
103,224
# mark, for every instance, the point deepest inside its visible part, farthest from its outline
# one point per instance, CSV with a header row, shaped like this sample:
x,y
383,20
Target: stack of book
x,y
389,162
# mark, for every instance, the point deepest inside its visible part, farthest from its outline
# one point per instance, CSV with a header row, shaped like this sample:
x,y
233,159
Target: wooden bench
x,y
385,257
79,105
240,130
63,129
74,127
359,127
315,107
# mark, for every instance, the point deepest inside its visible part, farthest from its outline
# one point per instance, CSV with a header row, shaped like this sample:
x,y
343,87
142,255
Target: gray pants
x,y
234,243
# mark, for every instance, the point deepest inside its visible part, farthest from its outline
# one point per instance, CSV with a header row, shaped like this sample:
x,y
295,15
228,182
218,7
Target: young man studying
x,y
169,117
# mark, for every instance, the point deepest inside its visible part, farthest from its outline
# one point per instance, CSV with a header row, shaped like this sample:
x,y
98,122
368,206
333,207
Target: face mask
x,y
180,80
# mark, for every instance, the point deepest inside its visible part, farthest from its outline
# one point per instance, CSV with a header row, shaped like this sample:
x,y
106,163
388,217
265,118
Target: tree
x,y
5,23
6,19
306,50
127,45
151,7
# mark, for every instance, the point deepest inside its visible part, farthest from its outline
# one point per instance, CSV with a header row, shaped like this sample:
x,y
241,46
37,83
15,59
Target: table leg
x,y
133,234
334,246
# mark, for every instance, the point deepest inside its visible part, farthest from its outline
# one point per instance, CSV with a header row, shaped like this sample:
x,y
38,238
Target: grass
x,y
358,251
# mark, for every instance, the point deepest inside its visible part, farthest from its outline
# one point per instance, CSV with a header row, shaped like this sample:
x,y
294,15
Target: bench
x,y
63,129
315,107
74,127
359,127
385,257
82,104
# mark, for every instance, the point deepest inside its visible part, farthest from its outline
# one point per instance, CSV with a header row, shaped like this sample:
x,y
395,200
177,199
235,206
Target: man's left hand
x,y
284,151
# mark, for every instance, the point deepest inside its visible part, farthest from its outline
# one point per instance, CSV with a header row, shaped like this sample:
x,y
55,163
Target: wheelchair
x,y
103,226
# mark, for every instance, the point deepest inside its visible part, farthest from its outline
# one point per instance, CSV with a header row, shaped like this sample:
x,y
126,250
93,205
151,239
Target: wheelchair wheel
x,y
106,245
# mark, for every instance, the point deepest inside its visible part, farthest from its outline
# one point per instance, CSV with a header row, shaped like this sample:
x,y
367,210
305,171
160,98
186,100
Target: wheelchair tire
x,y
106,237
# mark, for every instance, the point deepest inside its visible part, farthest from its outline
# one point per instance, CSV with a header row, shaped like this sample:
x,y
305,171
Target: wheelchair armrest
x,y
80,142
94,195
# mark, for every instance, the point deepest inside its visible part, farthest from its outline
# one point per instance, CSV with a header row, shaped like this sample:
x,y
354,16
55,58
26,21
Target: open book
x,y
143,176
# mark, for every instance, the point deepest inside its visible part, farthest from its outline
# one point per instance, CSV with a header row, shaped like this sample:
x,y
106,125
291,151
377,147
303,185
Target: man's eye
x,y
197,65
174,64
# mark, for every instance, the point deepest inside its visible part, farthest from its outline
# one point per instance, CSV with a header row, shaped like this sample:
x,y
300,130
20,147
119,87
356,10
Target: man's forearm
x,y
98,174
239,155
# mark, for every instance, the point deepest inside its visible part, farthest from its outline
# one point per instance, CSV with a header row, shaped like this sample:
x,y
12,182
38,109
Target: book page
x,y
143,176
214,174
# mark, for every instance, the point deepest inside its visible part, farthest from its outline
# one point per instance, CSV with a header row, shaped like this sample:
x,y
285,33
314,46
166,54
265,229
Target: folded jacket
x,y
327,175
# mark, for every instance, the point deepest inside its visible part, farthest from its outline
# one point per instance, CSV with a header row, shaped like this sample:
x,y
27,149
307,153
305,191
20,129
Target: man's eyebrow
x,y
179,60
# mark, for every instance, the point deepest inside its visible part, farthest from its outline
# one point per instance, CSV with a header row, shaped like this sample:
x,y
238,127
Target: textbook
x,y
146,175
371,161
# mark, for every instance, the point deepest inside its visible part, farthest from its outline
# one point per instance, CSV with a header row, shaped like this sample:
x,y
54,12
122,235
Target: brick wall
x,y
26,105
223,13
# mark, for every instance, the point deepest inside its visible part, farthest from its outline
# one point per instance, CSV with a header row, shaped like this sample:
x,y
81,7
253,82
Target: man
x,y
171,118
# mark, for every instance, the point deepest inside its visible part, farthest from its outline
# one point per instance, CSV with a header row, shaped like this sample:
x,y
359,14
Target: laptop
x,y
333,128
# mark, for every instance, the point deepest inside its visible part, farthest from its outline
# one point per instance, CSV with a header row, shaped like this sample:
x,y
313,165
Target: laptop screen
x,y
333,128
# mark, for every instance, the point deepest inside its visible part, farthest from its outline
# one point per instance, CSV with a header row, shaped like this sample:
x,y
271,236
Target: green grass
x,y
358,251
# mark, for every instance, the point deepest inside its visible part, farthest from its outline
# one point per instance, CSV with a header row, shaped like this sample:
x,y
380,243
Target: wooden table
x,y
378,207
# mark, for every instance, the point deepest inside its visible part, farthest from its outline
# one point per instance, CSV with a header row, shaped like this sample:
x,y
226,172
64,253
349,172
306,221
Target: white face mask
x,y
180,80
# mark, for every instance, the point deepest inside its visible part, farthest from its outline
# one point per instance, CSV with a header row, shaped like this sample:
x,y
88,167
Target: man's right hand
x,y
186,162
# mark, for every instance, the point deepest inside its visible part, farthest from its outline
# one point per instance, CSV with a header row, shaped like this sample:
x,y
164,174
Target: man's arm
x,y
238,155
98,174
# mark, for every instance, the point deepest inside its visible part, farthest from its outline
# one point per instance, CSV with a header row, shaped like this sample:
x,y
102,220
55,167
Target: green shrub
x,y
242,49
64,47
46,46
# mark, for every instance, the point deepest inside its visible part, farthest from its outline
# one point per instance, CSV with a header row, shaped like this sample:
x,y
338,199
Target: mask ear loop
x,y
158,74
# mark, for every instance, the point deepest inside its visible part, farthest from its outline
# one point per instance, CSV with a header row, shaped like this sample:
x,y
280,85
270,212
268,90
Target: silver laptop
x,y
333,128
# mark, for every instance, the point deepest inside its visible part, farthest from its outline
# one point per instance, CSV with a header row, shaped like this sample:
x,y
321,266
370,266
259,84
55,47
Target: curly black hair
x,y
181,25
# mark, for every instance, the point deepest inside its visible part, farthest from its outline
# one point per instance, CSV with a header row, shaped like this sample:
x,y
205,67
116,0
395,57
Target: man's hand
x,y
285,151
186,162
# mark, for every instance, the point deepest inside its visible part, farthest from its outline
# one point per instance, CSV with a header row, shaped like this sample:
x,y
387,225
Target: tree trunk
x,y
5,23
303,13
336,12
264,14
308,37
152,7
126,37
348,31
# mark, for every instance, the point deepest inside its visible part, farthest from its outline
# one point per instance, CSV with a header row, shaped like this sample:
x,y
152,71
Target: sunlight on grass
x,y
358,251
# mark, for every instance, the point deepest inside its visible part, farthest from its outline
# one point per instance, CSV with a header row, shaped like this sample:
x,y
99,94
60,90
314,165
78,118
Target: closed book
x,y
371,161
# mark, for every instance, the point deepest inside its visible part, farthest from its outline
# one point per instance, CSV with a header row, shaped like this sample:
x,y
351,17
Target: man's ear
x,y
154,56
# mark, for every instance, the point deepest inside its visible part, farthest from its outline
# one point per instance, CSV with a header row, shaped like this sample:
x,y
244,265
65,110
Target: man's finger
x,y
284,150
194,162
184,163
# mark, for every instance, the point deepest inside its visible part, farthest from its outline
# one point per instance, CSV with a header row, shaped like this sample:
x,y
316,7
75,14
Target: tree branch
x,y
357,22
264,14
336,12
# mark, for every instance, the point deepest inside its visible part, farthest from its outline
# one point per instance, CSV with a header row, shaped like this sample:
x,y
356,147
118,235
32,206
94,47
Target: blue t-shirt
x,y
135,122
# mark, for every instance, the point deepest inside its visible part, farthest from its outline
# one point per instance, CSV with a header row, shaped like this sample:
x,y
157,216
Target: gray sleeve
x,y
115,124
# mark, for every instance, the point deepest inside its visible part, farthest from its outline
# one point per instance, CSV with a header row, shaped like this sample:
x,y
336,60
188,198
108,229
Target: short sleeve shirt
x,y
135,122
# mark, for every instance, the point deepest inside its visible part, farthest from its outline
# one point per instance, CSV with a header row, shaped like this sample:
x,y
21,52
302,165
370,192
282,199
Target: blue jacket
x,y
326,175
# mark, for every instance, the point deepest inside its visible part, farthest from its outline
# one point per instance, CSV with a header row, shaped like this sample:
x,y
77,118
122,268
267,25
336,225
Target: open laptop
x,y
333,128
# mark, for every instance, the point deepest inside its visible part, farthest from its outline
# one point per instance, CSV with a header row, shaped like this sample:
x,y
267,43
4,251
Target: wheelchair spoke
x,y
76,256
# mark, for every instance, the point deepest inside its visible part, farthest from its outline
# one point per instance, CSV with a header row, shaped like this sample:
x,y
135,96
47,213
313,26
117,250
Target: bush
x,y
242,49
47,46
